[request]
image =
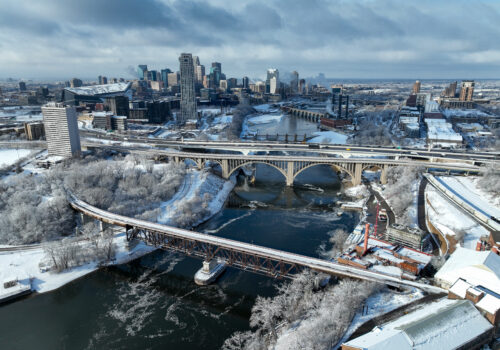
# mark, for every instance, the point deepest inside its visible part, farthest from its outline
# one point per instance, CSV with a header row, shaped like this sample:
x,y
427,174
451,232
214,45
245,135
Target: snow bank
x,y
450,220
331,137
10,156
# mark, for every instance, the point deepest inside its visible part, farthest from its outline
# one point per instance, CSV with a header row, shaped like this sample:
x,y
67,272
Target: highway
x,y
316,264
327,149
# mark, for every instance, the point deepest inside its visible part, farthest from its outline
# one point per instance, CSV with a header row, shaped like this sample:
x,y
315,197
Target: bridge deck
x,y
247,248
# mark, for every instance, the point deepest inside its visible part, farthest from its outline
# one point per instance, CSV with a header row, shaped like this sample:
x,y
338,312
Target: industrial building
x,y
61,130
408,236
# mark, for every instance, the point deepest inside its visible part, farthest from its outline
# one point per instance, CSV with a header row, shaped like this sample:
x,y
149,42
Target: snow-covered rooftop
x,y
445,324
489,303
100,89
477,268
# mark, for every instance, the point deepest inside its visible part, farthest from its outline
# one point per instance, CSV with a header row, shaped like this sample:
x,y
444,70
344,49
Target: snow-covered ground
x,y
450,220
468,190
264,119
24,265
10,156
197,183
331,137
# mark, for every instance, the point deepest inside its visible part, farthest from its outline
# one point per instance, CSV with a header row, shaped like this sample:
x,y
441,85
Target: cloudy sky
x,y
342,38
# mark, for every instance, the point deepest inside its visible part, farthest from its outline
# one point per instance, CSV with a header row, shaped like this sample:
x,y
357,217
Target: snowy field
x,y
450,220
331,137
10,156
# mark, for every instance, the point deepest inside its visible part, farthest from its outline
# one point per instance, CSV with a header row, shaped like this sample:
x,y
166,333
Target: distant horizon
x,y
358,39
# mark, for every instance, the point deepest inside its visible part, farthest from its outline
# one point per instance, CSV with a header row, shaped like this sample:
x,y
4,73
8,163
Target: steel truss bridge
x,y
291,166
246,256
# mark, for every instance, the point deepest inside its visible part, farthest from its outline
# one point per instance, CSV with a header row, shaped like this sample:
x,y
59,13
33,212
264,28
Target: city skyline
x,y
360,39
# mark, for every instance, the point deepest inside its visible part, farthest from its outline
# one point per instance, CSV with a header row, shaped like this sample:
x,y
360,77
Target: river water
x,y
153,302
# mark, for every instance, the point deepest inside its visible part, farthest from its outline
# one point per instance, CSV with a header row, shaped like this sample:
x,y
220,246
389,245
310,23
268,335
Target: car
x,y
347,149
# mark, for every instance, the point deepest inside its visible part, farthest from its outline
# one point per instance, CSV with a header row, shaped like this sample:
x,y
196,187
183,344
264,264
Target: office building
x,y
102,80
118,105
200,73
294,83
272,74
232,83
141,71
102,120
416,87
61,130
467,90
34,131
22,86
75,83
173,79
223,85
188,97
302,85
164,76
245,83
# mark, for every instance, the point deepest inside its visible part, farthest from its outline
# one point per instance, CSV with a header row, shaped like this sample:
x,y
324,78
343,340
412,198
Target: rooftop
x,y
100,89
444,324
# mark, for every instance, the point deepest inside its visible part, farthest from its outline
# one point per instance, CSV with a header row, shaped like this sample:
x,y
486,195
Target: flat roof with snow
x,y
445,324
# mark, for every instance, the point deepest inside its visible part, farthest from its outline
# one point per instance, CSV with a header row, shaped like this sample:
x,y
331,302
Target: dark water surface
x,y
153,302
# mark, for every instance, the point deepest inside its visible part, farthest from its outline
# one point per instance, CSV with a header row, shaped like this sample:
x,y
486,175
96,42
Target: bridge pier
x,y
225,168
289,173
383,174
358,171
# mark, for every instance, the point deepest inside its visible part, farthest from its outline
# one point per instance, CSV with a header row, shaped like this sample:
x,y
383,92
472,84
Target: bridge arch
x,y
337,167
383,170
281,171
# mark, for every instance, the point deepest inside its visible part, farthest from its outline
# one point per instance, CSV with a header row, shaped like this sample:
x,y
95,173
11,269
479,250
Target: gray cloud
x,y
357,38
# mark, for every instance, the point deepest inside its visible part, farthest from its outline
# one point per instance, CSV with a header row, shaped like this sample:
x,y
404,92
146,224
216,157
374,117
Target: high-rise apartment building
x,y
416,87
273,77
75,82
467,90
61,130
188,97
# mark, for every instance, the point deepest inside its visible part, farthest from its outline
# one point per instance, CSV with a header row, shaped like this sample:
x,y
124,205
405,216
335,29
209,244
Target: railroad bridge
x,y
313,116
251,257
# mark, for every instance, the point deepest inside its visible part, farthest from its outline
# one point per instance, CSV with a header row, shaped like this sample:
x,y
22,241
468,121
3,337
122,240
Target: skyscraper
x,y
294,83
467,90
273,76
302,85
22,86
141,69
61,130
200,73
188,97
450,90
245,82
416,87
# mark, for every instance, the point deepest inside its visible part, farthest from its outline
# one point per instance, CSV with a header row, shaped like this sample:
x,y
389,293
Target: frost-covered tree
x,y
398,189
